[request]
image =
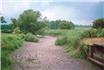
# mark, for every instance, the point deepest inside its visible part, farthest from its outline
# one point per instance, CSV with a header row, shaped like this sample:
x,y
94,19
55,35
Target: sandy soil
x,y
44,55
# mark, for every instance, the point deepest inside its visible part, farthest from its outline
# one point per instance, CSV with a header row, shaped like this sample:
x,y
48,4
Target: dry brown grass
x,y
91,41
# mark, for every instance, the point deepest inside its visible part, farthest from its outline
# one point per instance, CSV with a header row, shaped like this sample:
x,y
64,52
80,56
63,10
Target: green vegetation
x,y
98,23
70,39
31,24
56,32
66,25
6,28
30,21
9,43
83,27
94,33
2,19
31,38
53,24
60,24
61,41
16,30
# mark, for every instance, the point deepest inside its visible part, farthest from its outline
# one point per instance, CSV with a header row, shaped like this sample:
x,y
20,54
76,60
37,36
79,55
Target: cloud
x,y
10,7
78,12
78,0
59,12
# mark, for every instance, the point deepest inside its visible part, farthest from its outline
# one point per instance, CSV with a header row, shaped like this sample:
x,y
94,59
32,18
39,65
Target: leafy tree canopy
x,y
2,19
98,23
61,24
30,21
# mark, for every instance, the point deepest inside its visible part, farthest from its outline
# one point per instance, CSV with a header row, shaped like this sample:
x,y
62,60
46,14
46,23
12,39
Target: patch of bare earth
x,y
44,55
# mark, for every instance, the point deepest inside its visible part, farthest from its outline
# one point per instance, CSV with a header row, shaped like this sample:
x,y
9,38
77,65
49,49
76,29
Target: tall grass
x,y
30,37
72,44
9,43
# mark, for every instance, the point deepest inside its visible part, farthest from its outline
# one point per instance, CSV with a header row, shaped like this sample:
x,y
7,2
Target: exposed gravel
x,y
46,56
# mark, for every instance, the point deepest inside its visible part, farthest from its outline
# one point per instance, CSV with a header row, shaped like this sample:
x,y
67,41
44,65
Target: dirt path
x,y
46,56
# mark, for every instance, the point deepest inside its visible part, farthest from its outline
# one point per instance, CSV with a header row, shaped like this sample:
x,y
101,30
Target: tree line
x,y
32,22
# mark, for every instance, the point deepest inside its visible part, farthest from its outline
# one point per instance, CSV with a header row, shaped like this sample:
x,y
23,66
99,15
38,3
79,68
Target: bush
x,y
16,30
61,41
82,52
11,42
71,41
8,44
31,38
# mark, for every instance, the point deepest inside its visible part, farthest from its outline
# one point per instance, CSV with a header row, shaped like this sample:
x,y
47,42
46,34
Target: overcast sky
x,y
78,11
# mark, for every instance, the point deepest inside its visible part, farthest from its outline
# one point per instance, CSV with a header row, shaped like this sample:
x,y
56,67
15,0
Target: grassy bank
x,y
73,45
9,43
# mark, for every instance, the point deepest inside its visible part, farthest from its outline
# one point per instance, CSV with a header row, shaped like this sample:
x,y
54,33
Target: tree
x,y
66,25
2,19
30,21
98,23
45,21
14,23
53,24
61,24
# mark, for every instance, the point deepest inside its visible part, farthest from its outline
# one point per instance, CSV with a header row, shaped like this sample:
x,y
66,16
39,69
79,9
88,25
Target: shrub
x,y
11,42
82,52
61,41
31,38
71,41
22,36
16,30
8,44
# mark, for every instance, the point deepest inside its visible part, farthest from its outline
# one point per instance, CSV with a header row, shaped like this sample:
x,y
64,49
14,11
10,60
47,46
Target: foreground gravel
x,y
44,55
